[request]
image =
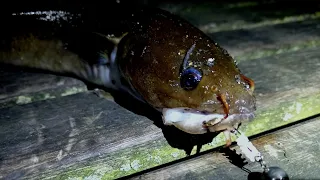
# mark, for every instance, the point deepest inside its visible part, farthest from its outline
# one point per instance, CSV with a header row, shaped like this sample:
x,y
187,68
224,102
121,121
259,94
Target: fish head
x,y
181,71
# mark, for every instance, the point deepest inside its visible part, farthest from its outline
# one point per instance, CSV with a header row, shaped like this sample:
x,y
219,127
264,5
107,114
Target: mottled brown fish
x,y
160,59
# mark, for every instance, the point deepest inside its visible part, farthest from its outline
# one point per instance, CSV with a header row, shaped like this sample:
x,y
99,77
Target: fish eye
x,y
190,78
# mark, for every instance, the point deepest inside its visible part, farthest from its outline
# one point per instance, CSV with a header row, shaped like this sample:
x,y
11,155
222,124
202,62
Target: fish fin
x,y
103,58
115,40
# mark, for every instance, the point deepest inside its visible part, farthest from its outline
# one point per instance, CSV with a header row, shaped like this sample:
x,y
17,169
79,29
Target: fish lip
x,y
192,121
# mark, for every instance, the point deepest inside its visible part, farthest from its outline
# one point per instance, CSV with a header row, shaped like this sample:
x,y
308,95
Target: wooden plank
x,y
216,16
20,87
246,44
295,149
83,136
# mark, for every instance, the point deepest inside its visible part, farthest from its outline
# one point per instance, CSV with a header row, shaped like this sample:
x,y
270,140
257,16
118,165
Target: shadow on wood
x,y
175,137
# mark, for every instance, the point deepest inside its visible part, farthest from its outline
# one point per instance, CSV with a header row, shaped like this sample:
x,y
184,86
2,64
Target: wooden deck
x,y
51,127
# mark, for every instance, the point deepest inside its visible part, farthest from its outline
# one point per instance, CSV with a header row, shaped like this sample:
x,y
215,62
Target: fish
x,y
157,57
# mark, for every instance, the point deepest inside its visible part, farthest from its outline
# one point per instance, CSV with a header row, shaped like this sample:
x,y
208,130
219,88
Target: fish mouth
x,y
199,122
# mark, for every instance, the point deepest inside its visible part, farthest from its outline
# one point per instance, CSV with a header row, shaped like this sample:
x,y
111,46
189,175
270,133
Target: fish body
x,y
159,59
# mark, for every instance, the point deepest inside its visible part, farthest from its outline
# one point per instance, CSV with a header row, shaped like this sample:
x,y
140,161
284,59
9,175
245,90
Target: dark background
x,y
109,6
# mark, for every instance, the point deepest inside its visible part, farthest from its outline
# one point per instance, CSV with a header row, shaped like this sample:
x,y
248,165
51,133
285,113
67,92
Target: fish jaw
x,y
200,122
